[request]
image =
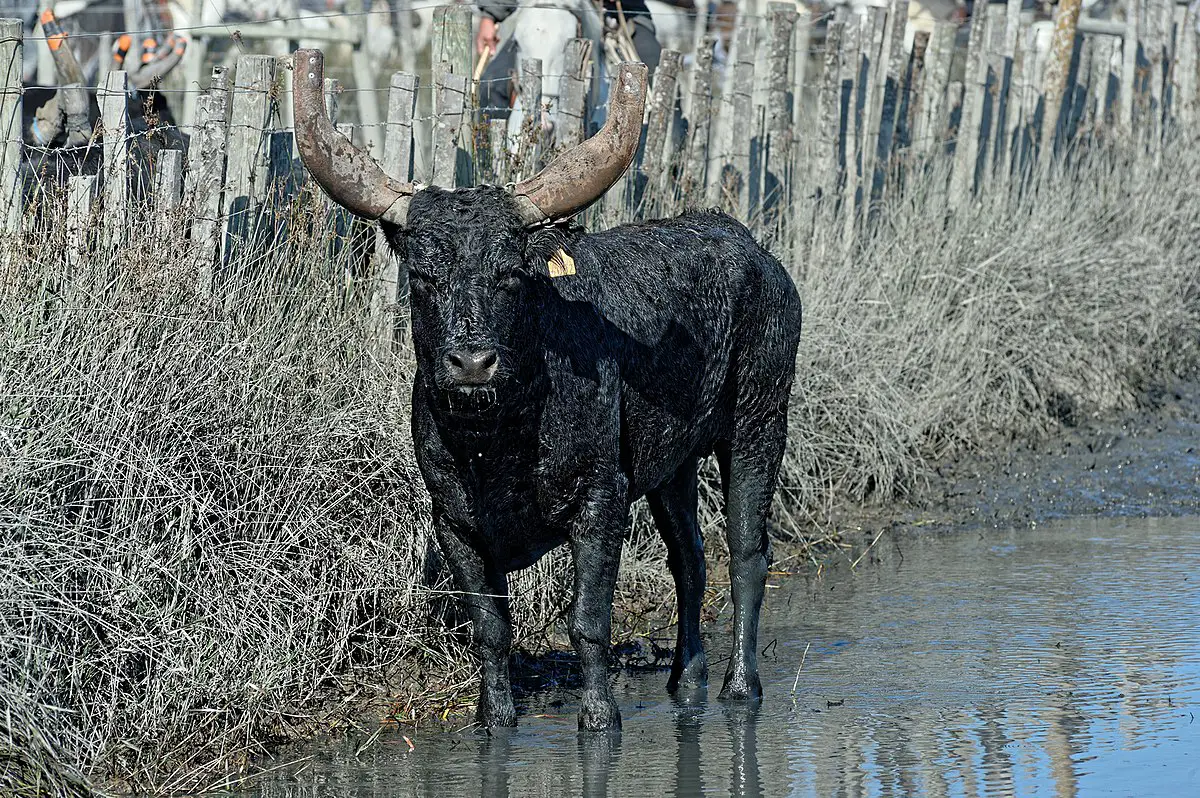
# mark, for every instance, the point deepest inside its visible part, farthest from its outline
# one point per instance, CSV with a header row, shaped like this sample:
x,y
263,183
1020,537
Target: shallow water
x,y
1058,661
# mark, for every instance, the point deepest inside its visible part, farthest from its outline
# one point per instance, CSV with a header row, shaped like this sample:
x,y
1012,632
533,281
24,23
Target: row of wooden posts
x,y
780,126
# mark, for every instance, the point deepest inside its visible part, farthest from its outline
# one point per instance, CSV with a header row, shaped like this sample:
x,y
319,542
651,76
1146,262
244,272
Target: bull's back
x,y
694,309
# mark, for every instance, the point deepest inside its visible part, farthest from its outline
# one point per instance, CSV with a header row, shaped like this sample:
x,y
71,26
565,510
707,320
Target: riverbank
x,y
1144,461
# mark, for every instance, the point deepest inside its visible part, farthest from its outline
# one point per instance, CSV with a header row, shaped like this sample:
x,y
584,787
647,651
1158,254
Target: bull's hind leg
x,y
749,467
674,509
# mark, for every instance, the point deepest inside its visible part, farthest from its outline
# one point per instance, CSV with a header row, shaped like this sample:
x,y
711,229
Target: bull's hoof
x,y
599,714
693,676
741,687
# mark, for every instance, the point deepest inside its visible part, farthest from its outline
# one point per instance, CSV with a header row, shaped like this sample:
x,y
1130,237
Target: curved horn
x,y
581,175
348,175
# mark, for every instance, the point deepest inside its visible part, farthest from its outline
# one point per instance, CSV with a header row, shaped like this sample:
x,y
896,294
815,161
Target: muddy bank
x,y
1140,463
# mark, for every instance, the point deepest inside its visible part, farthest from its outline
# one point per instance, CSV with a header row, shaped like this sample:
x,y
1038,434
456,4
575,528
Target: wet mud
x,y
1141,463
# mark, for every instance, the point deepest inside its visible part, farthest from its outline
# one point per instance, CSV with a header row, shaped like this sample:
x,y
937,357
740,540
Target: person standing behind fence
x,y
500,77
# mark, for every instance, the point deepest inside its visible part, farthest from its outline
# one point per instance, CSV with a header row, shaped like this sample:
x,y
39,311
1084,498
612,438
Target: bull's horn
x,y
581,175
348,175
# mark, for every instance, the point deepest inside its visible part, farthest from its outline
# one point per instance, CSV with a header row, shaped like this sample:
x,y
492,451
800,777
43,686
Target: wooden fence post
x,y
656,163
1054,79
114,118
530,93
801,43
452,47
891,75
449,105
1183,69
933,110
734,182
392,282
830,108
966,146
699,122
1129,50
777,149
250,115
498,144
206,176
1010,111
568,125
81,190
12,64
365,78
168,188
851,87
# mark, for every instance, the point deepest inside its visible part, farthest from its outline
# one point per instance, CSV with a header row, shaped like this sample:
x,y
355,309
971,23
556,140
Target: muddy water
x,y
1058,661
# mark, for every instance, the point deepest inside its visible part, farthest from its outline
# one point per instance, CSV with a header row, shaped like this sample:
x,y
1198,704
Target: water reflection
x,y
1062,661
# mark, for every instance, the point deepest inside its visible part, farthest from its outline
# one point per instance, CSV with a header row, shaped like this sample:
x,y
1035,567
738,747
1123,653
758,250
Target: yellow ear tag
x,y
561,264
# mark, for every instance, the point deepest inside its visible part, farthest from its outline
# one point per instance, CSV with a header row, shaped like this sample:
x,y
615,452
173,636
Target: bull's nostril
x,y
471,368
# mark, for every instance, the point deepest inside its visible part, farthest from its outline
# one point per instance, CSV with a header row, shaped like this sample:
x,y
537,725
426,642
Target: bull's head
x,y
474,256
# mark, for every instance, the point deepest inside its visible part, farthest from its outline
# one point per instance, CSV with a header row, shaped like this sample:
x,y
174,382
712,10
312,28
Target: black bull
x,y
562,375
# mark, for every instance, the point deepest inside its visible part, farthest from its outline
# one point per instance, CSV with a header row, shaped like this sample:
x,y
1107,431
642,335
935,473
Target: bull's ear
x,y
543,247
397,238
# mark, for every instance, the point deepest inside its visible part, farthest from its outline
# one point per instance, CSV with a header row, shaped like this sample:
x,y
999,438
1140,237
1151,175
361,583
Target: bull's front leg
x,y
484,589
596,550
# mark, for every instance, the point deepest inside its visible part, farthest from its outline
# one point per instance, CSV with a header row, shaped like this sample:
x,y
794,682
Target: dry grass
x,y
210,517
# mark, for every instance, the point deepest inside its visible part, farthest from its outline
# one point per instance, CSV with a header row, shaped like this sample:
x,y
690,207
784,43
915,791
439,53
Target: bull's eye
x,y
420,280
508,282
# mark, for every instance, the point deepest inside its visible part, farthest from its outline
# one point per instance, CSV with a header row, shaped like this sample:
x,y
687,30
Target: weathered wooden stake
x,y
452,47
1129,50
449,107
392,282
966,147
933,109
168,188
498,141
830,108
736,189
699,123
661,109
892,74
1054,79
778,146
206,173
246,169
1183,69
529,146
114,118
81,190
852,85
572,90
11,70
